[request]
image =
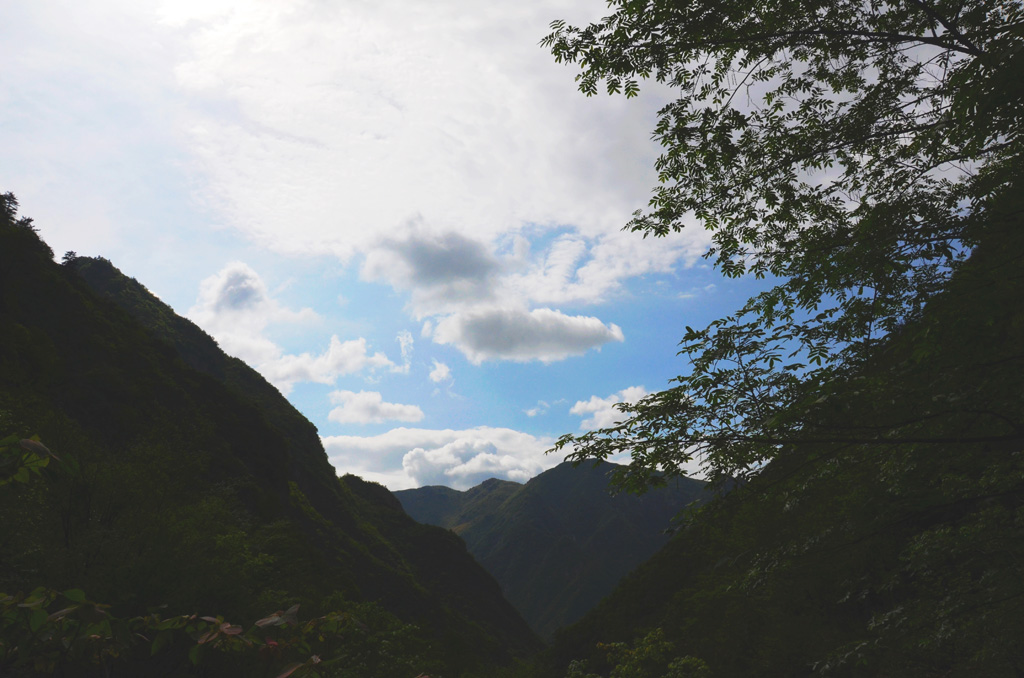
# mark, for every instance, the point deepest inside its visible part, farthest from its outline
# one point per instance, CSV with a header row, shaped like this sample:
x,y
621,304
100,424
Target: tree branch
x,y
971,48
868,36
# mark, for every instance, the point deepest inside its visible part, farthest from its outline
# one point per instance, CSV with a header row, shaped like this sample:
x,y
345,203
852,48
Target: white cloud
x,y
423,137
235,303
602,410
468,290
235,307
575,269
405,342
88,85
340,358
368,407
441,372
541,408
383,111
237,287
464,463
516,334
457,458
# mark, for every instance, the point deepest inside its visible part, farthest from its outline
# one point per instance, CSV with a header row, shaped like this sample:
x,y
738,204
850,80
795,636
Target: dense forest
x,y
166,512
561,542
852,557
148,478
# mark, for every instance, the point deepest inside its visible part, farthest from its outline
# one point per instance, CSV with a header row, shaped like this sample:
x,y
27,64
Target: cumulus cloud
x,y
236,308
340,358
459,136
440,373
601,411
427,140
467,291
237,296
444,271
456,458
427,260
368,407
516,334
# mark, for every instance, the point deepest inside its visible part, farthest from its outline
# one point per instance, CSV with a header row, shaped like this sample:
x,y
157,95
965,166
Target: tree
x,y
9,212
856,153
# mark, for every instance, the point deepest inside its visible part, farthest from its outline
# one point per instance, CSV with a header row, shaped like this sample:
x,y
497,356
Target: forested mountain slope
x,y
199,351
562,541
892,546
455,509
189,482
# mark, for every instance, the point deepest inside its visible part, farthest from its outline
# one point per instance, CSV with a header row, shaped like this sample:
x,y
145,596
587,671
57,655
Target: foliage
x,y
856,559
650,657
20,458
867,158
852,152
176,484
562,541
47,632
9,212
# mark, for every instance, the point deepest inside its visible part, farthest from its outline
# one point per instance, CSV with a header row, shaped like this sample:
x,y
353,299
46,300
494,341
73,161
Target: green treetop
x,y
853,152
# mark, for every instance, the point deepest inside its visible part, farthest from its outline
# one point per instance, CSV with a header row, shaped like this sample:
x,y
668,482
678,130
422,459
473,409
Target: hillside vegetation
x,y
846,557
188,482
560,543
866,410
866,160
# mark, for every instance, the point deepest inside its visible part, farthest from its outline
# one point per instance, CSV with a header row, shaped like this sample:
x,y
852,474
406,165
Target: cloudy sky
x,y
401,213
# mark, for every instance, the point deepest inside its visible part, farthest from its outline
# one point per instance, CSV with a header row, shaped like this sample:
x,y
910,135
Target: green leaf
x,y
37,619
75,595
162,640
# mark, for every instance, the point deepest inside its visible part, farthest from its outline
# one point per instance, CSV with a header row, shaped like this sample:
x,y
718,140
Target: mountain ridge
x,y
560,542
199,486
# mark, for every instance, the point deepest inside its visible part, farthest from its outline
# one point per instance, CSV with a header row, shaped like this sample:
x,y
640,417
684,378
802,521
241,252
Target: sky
x,y
403,214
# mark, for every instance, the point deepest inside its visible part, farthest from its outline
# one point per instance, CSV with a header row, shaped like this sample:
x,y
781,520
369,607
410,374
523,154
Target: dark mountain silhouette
x,y
196,485
559,543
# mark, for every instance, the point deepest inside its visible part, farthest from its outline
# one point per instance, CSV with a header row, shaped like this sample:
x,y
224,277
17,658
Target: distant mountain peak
x,y
560,542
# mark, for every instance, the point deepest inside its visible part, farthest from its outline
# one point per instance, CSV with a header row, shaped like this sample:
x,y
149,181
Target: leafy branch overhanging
x,y
851,152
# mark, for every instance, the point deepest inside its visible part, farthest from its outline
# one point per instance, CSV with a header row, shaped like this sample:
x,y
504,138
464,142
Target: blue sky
x,y
403,214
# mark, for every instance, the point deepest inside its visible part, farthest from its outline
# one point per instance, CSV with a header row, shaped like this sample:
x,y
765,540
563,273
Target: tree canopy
x,y
854,153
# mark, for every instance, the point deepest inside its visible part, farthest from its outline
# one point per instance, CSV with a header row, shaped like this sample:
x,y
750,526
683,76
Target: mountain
x,y
559,543
887,540
453,509
189,482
